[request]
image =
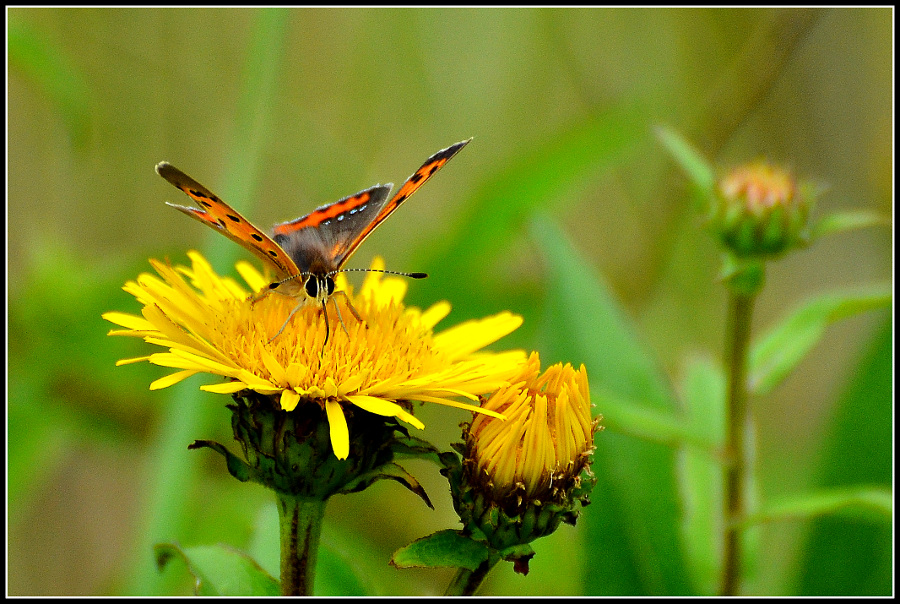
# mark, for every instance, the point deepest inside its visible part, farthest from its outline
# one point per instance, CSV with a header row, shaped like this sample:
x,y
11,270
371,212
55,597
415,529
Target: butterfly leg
x,y
254,298
288,320
349,305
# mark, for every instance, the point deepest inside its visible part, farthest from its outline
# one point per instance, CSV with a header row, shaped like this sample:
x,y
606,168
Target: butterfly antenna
x,y
378,270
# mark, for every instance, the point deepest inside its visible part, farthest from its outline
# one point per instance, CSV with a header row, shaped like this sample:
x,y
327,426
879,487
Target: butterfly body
x,y
306,253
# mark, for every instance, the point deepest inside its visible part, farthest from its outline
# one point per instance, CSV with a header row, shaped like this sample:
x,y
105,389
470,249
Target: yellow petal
x,y
134,360
225,387
473,335
172,378
379,406
337,424
435,314
289,400
129,321
251,276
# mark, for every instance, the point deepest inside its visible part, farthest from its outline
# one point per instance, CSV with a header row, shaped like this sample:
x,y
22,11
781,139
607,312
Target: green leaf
x,y
641,421
237,467
390,471
220,570
166,507
635,510
847,221
443,548
588,322
853,502
844,555
700,473
779,351
697,168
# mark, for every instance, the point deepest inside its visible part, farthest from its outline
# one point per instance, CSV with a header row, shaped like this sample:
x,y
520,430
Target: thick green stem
x,y
301,527
466,582
740,315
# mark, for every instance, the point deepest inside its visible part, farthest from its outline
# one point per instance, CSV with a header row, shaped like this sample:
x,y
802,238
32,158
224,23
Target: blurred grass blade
x,y
875,503
653,425
854,556
695,166
840,222
48,67
590,326
779,351
539,177
632,544
172,470
220,570
700,473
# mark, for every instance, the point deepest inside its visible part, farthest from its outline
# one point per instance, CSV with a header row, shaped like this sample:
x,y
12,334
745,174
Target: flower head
x,y
547,437
379,365
761,210
521,477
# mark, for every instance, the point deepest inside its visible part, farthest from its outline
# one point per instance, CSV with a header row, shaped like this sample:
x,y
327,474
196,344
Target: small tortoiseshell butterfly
x,y
305,254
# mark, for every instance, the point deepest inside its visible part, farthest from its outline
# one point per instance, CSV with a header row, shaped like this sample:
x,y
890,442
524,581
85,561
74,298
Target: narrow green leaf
x,y
237,467
634,515
441,549
697,168
389,471
589,323
847,221
220,570
184,418
653,425
849,555
538,177
779,351
700,473
854,502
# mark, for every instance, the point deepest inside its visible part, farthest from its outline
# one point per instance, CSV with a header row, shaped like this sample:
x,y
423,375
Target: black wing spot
x,y
272,253
415,178
401,199
256,237
233,218
222,223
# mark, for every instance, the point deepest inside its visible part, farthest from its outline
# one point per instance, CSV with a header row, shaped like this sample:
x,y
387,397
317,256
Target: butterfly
x,y
306,253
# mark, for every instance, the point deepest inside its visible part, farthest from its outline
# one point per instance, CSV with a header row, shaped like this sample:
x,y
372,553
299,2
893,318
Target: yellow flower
x,y
379,365
520,478
547,438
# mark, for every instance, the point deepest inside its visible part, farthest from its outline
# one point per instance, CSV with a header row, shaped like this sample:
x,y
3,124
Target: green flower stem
x,y
466,582
738,418
301,526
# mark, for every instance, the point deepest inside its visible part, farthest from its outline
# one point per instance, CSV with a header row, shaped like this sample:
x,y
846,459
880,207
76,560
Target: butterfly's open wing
x,y
228,221
322,240
412,184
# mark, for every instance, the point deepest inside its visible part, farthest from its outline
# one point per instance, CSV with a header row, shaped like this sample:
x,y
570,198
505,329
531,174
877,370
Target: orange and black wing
x,y
219,215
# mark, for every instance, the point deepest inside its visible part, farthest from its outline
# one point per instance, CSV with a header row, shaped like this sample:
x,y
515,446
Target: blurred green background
x,y
281,111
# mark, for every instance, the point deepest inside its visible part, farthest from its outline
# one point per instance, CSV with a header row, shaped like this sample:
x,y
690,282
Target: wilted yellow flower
x,y
380,364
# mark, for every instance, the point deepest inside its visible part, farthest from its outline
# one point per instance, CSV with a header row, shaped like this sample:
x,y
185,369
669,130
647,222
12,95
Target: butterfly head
x,y
319,287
